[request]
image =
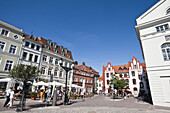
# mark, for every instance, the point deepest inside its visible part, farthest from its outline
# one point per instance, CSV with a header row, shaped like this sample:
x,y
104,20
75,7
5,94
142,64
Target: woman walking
x,y
12,96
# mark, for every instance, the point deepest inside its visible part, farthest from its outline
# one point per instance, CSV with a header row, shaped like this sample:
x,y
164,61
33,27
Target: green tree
x,y
119,84
24,73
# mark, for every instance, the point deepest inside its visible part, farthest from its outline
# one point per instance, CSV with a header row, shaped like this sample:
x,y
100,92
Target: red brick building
x,y
83,72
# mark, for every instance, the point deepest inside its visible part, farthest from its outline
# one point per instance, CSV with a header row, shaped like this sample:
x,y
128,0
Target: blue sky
x,y
96,31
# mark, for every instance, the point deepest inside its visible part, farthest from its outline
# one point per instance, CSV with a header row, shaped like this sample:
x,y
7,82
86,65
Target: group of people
x,y
10,96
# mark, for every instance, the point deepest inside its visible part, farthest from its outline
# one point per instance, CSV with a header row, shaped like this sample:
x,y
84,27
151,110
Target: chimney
x,y
84,63
76,63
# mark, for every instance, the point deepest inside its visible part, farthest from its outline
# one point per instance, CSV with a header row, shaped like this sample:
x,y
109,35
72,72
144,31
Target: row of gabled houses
x,y
16,47
134,73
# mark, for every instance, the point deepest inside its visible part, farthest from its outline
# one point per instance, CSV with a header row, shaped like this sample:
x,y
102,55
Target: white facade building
x,y
31,51
51,54
154,35
100,84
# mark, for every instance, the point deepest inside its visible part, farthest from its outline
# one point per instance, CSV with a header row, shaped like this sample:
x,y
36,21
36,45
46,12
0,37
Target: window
x,y
55,73
49,71
65,64
133,73
120,69
80,79
12,49
56,61
127,80
16,36
68,55
75,79
38,48
2,45
89,89
166,51
30,57
60,75
69,75
140,77
134,81
162,28
124,68
134,66
43,70
62,53
107,82
55,50
120,75
109,69
99,85
32,46
44,58
83,79
36,58
51,60
4,32
27,44
90,81
107,75
8,65
125,75
24,56
86,80
168,11
141,84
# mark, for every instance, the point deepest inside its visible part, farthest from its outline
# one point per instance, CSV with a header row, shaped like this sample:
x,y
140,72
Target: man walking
x,y
8,93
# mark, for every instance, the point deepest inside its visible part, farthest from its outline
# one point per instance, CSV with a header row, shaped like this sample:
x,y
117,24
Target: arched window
x,y
168,11
166,51
124,68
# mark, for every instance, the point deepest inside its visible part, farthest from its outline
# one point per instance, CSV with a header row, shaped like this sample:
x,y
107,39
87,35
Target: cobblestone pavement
x,y
97,104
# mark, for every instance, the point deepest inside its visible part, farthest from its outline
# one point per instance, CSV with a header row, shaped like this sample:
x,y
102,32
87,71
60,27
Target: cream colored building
x,y
10,47
154,36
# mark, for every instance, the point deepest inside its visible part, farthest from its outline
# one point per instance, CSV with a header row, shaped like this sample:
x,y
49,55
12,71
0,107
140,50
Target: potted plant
x,y
33,95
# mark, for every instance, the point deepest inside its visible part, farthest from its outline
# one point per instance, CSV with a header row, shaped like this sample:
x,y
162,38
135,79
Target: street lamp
x,y
67,69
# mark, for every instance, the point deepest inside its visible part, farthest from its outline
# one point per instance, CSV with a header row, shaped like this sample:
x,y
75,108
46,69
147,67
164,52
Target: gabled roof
x,y
45,42
156,11
87,68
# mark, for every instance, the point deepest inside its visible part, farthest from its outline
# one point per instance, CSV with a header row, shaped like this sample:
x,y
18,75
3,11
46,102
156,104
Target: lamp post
x,y
67,69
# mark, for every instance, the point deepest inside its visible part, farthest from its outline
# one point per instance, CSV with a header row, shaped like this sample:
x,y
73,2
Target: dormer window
x,y
65,50
55,45
55,50
49,42
4,32
62,53
47,46
68,55
168,11
120,69
124,68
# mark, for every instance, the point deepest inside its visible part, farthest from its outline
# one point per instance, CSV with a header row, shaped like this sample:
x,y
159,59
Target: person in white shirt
x,y
12,96
8,93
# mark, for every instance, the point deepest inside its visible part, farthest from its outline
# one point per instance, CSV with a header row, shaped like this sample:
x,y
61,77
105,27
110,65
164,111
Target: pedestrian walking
x,y
8,92
45,94
82,95
12,97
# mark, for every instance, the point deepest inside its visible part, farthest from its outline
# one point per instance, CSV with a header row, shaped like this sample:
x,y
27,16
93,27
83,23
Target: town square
x,y
85,56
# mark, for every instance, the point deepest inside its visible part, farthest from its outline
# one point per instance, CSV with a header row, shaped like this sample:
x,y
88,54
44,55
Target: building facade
x,y
50,67
10,47
31,51
134,74
100,85
85,73
154,36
